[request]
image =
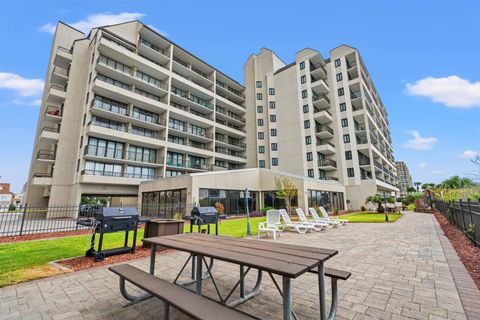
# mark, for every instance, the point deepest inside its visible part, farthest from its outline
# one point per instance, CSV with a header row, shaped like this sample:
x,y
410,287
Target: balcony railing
x,y
231,142
313,68
53,111
188,164
154,47
189,110
327,163
317,97
323,143
140,157
104,152
45,155
189,66
63,49
328,112
228,88
229,152
360,127
377,164
229,114
192,130
48,129
355,95
364,161
187,95
42,175
323,128
119,174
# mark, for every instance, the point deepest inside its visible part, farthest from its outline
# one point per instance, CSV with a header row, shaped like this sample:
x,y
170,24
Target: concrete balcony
x,y
49,135
53,114
46,156
323,117
63,57
321,101
323,132
56,94
42,179
320,86
325,147
318,71
327,164
59,76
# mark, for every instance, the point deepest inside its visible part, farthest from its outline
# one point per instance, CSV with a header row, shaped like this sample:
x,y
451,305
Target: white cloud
x,y
452,91
422,164
469,154
420,143
437,172
97,20
22,86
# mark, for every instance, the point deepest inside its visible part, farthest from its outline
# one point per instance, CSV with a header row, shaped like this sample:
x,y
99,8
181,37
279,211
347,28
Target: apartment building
x,y
403,177
319,118
123,105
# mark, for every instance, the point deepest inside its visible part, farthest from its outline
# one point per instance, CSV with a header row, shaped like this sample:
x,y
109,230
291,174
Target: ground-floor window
x,y
165,203
230,199
270,199
332,201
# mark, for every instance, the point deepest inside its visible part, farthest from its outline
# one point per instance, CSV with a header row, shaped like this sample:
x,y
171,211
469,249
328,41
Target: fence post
x,y
463,218
23,218
470,210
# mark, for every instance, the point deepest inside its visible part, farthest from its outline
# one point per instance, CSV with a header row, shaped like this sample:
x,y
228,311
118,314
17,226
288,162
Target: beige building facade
x,y
404,178
125,107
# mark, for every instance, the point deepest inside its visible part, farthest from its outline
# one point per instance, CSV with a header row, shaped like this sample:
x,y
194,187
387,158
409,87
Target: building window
x,y
308,140
348,155
259,84
305,108
309,156
259,96
260,122
344,122
341,92
81,141
350,172
303,79
339,77
89,78
304,94
306,124
343,106
261,136
261,163
302,65
273,118
78,164
261,149
346,138
338,63
274,147
271,91
271,104
259,109
310,173
273,132
274,162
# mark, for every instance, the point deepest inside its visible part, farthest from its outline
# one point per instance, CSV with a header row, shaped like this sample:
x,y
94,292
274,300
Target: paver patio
x,y
399,271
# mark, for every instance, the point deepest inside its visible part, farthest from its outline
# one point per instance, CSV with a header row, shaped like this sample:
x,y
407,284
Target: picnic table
x,y
285,260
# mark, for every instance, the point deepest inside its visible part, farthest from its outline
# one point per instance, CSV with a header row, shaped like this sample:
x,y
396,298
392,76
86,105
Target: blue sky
x,y
422,55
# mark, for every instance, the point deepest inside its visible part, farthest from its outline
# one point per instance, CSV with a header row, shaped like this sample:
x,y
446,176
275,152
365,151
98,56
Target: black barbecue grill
x,y
108,220
201,216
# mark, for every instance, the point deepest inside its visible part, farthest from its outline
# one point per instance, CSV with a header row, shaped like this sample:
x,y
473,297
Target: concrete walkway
x,y
399,271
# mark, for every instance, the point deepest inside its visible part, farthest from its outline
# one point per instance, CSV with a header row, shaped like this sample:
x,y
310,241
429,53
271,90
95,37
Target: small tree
x,y
286,189
376,199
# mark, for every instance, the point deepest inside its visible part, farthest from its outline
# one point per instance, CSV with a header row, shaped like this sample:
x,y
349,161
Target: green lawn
x,y
370,217
28,260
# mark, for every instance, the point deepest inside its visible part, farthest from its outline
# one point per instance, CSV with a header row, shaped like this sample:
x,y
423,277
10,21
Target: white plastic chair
x,y
297,226
326,216
317,225
317,218
272,224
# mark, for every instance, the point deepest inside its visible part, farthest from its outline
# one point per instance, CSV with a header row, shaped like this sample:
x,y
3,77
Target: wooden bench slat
x,y
280,256
264,245
334,273
190,303
291,270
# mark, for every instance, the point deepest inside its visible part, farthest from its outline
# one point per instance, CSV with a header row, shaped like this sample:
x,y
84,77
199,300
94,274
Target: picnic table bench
x,y
285,260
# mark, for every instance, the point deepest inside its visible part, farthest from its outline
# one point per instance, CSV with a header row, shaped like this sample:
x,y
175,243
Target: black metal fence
x,y
465,215
61,218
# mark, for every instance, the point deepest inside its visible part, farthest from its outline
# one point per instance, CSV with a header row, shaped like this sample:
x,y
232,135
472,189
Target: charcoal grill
x,y
109,220
201,216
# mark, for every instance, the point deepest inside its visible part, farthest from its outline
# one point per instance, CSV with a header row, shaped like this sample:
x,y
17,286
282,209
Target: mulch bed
x,y
82,263
49,235
468,253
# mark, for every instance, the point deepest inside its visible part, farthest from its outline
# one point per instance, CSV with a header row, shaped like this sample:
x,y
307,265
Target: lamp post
x,y
386,209
247,195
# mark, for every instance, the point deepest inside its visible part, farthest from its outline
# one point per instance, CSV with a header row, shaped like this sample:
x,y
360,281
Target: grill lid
x,y
201,211
112,212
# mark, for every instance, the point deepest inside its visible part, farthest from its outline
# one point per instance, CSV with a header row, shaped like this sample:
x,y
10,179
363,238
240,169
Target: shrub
x,y
335,211
362,208
177,216
411,207
255,214
12,207
264,210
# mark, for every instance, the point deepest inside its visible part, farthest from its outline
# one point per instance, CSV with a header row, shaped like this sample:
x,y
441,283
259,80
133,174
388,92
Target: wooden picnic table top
x,y
282,259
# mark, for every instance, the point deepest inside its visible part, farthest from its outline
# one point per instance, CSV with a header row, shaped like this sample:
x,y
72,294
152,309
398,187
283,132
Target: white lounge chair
x,y
317,225
326,216
272,224
297,226
316,217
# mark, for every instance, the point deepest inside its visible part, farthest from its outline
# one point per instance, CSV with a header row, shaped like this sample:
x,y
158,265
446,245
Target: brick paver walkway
x,y
399,271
